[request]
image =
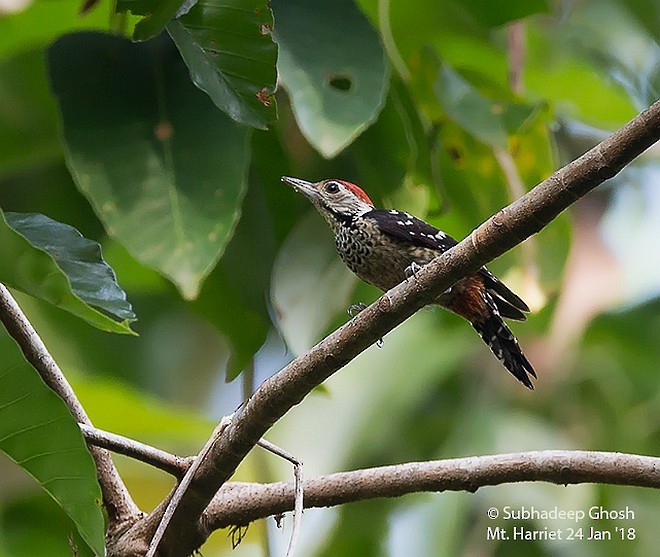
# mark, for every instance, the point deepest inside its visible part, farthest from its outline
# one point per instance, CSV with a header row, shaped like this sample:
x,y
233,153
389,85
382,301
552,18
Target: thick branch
x,y
116,498
500,233
241,503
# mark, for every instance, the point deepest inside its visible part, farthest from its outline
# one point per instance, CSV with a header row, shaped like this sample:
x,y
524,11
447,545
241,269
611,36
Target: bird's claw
x,y
357,308
412,270
354,309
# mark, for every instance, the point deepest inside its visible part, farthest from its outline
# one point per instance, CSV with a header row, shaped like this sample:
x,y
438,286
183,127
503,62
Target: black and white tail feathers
x,y
502,342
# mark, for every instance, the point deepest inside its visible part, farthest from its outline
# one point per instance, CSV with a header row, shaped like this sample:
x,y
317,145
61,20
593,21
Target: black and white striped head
x,y
334,199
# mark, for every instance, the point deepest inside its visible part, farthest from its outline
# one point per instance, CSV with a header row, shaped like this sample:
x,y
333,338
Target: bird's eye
x,y
332,187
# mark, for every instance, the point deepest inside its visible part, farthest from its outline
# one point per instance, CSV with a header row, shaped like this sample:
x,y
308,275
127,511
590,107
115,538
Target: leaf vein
x,y
30,428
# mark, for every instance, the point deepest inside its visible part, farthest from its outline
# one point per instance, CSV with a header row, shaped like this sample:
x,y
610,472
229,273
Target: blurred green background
x,y
448,109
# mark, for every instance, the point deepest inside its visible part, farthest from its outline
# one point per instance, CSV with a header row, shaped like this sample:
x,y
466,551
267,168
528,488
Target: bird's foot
x,y
356,308
412,270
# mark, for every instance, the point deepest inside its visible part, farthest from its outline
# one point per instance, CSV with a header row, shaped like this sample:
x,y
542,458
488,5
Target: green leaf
x,y
164,169
38,432
487,112
32,270
310,284
559,70
394,148
158,14
406,30
231,55
269,163
43,22
360,529
234,296
447,24
245,328
32,523
91,278
472,182
647,14
28,116
468,108
333,66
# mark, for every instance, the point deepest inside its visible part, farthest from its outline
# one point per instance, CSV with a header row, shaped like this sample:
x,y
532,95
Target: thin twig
x,y
242,503
298,486
181,489
170,463
116,498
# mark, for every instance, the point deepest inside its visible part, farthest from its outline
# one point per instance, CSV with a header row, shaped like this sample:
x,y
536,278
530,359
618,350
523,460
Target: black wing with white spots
x,y
406,228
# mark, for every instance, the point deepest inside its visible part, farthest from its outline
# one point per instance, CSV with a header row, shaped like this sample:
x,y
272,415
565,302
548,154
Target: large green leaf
x,y
333,66
163,168
157,14
28,267
38,432
28,116
231,55
91,278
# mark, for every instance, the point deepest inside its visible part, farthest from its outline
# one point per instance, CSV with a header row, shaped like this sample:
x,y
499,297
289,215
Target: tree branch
x,y
280,393
182,487
298,492
242,503
170,463
118,503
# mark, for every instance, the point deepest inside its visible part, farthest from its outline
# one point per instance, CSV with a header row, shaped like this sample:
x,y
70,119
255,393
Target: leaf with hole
x,y
333,66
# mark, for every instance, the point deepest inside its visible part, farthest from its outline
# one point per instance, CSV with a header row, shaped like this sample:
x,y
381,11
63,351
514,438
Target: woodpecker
x,y
385,247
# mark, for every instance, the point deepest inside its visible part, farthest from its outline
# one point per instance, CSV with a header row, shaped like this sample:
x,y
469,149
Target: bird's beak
x,y
302,186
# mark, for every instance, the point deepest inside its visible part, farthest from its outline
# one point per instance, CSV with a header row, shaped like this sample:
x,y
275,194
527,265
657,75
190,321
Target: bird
x,y
384,247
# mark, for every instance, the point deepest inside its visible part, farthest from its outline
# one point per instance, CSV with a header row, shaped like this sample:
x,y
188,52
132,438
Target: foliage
x,y
153,131
38,434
